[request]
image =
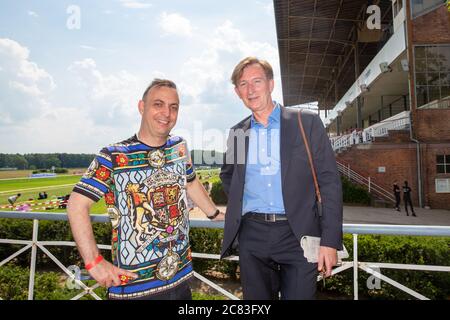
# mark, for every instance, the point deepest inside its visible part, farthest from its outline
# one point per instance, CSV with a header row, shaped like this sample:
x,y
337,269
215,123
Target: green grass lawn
x,y
28,183
30,188
60,186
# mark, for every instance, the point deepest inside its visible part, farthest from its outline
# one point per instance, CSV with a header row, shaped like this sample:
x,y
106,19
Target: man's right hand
x,y
108,275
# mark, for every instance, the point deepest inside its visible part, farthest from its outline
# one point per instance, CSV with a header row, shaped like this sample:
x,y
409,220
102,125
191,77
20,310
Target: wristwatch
x,y
214,215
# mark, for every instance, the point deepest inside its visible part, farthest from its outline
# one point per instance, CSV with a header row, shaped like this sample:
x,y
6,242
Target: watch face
x,y
168,266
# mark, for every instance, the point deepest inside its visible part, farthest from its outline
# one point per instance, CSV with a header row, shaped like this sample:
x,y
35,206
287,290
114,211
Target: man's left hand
x,y
327,259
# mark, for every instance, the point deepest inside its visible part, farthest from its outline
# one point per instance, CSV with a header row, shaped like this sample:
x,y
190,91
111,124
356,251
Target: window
x,y
432,73
420,7
443,164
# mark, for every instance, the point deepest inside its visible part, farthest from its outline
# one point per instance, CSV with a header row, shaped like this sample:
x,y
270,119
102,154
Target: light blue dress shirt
x,y
262,189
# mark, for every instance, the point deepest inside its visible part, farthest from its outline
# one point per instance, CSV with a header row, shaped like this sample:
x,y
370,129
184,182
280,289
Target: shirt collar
x,y
273,117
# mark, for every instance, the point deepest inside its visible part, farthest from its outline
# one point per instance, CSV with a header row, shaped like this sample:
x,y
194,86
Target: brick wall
x,y
431,198
432,125
399,161
432,27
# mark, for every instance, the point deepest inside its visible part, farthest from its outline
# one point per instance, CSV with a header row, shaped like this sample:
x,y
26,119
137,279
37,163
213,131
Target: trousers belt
x,y
268,217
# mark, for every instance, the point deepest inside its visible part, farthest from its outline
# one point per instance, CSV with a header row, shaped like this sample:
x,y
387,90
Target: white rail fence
x,y
356,229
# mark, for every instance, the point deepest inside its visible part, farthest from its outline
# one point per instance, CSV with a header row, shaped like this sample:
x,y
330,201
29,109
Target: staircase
x,y
381,194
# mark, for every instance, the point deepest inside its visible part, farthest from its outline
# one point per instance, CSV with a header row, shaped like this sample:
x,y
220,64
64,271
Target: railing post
x,y
33,259
355,267
369,184
348,171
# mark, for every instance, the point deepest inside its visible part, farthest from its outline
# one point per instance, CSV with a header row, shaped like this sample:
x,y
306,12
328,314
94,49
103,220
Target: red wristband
x,y
97,260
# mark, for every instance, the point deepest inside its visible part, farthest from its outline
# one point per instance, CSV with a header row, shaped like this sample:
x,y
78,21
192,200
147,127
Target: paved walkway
x,y
369,215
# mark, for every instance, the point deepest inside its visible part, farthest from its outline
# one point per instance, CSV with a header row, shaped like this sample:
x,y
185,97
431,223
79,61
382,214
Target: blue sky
x,y
66,89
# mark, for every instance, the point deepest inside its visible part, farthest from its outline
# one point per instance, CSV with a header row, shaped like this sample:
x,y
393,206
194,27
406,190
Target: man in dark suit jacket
x,y
271,194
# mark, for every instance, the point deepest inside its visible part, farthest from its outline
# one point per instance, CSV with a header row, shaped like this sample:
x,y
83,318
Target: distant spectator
x,y
13,198
41,196
397,196
407,199
45,195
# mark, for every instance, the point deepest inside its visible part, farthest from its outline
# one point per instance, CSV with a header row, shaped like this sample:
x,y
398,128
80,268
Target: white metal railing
x,y
437,104
398,122
35,244
381,129
354,229
372,187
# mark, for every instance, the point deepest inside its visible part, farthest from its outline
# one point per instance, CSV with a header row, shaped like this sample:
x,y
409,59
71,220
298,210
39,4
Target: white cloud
x,y
207,95
24,84
32,14
110,98
175,24
135,4
209,73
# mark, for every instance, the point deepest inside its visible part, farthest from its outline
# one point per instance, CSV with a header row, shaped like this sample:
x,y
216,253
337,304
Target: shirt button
x,y
269,185
271,203
263,150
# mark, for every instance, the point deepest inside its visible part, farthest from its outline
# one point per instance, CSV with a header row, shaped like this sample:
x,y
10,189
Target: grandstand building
x,y
380,72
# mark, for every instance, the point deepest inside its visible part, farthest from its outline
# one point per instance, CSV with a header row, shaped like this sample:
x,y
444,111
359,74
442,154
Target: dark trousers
x,y
408,201
180,292
271,262
397,202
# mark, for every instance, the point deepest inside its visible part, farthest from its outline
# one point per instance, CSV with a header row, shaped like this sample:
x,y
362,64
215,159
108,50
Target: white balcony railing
x,y
354,229
381,129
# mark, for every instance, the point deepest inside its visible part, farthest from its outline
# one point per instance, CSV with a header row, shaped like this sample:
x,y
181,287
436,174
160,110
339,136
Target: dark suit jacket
x,y
297,181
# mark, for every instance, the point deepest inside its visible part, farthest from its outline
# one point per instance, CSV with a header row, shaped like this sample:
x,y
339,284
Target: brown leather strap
x,y
311,163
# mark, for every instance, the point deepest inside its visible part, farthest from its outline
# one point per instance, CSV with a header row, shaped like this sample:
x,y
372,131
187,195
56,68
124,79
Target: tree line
x,y
33,161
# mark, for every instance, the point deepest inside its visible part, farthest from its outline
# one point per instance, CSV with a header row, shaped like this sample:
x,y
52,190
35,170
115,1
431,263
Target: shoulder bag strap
x,y
311,163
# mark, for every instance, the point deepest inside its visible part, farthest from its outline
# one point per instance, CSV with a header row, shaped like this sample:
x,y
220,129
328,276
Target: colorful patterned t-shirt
x,y
145,193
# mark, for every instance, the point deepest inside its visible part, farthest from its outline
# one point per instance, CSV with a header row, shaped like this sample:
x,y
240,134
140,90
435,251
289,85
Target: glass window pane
x,y
439,159
432,52
447,159
440,168
432,79
421,79
421,6
433,65
447,168
445,92
421,65
445,58
444,79
422,95
420,52
434,93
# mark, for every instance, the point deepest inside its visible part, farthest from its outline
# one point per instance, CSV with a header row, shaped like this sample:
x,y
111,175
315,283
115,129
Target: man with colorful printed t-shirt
x,y
145,181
